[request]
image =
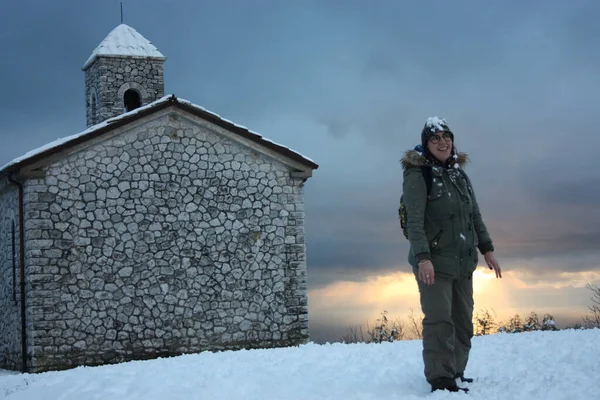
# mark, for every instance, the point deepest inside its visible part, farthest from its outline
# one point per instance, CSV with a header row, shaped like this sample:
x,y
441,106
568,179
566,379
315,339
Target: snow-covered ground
x,y
535,365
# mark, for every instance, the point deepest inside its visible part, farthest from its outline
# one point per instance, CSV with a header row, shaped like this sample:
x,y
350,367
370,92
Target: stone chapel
x,y
161,229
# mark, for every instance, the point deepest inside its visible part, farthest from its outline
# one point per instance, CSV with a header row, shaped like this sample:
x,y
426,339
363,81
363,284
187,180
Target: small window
x,y
93,111
14,262
131,100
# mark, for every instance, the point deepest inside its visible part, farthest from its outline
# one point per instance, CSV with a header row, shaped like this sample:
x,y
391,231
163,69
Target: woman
x,y
445,230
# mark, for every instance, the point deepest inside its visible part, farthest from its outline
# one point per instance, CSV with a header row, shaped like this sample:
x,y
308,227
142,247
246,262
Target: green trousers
x,y
447,326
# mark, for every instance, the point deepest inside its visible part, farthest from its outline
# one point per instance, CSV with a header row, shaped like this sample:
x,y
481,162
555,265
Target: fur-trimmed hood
x,y
415,158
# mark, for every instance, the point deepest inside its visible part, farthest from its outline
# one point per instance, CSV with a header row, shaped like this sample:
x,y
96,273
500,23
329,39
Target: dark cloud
x,y
547,245
354,240
580,189
337,128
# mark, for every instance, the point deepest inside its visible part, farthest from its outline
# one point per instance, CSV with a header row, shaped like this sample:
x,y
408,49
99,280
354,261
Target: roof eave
x,y
167,102
122,121
256,138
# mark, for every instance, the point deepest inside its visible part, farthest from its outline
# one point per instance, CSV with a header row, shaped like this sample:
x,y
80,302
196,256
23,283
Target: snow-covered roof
x,y
131,116
124,41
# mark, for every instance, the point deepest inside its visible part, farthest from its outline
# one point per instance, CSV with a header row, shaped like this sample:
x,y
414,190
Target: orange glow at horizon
x,y
517,292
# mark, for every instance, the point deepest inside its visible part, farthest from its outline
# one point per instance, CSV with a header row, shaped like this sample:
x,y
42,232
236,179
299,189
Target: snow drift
x,y
533,365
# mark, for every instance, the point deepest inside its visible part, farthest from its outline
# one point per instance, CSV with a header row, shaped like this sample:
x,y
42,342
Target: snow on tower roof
x,y
124,41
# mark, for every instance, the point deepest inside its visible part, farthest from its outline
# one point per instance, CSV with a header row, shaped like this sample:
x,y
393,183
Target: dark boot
x,y
448,384
462,378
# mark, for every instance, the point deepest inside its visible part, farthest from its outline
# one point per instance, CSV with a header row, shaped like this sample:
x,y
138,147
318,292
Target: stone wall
x,y
107,79
166,239
10,277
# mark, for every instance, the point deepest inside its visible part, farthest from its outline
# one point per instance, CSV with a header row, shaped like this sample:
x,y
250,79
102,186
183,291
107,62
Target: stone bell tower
x,y
123,73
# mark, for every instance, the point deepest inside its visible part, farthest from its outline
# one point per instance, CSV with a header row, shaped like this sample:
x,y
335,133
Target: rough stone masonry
x,y
10,278
107,79
165,239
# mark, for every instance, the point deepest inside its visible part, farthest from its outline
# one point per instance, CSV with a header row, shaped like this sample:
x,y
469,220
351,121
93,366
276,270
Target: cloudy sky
x,y
350,84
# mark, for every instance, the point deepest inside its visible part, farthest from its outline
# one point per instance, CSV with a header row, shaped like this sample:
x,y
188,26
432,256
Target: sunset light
x,y
361,302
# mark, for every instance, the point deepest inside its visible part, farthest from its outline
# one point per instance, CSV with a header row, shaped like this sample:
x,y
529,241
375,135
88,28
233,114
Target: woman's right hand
x,y
426,274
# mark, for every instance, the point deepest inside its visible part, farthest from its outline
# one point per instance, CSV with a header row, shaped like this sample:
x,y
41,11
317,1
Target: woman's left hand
x,y
493,263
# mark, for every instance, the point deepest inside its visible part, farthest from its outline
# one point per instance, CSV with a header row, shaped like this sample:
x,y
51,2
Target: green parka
x,y
445,226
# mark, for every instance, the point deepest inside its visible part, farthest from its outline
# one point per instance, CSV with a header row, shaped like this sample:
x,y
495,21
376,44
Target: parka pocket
x,y
433,243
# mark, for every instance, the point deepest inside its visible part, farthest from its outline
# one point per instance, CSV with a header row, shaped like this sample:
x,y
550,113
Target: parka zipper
x,y
459,195
452,215
463,237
